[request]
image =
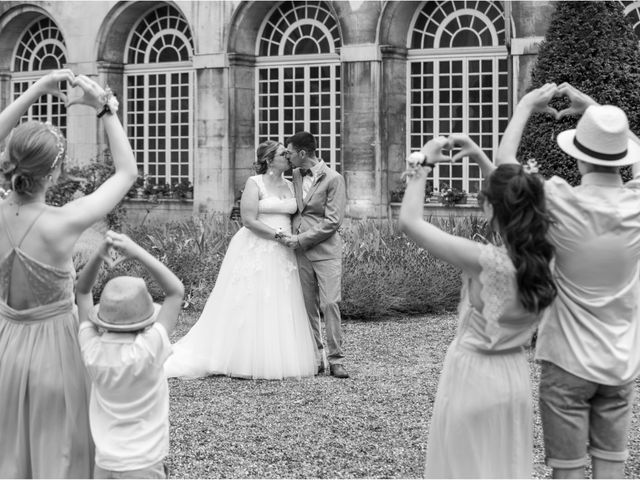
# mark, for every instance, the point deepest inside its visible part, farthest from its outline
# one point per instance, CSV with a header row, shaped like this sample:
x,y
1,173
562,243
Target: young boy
x,y
129,407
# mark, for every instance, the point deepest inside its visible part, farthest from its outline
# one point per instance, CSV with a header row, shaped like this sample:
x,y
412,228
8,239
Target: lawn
x,y
373,425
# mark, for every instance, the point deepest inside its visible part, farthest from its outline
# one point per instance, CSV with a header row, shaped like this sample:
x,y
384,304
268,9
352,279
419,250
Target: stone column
x,y
111,75
361,142
5,95
393,115
531,19
212,170
242,120
86,139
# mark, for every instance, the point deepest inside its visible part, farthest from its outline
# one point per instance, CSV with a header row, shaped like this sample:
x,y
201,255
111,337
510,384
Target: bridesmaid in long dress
x,y
43,385
482,421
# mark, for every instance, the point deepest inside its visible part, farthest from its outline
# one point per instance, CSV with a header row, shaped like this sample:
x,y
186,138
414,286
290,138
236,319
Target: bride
x,y
254,324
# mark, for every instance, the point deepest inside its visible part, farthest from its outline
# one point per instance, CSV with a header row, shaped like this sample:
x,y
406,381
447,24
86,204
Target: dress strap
x,y
262,190
33,222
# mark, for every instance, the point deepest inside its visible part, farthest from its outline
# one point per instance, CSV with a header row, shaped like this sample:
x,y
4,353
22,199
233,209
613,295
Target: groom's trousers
x,y
321,286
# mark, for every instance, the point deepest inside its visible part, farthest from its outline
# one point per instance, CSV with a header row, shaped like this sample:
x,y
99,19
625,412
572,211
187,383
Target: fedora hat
x,y
601,138
125,306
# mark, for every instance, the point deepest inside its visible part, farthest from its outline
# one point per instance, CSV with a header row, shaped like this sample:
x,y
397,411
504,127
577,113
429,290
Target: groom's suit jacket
x,y
320,214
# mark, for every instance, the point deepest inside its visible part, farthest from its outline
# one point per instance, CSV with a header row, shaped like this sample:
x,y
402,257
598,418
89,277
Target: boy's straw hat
x,y
601,137
125,306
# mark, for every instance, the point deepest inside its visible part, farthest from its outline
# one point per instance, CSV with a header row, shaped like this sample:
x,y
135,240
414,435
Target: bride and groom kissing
x,y
280,275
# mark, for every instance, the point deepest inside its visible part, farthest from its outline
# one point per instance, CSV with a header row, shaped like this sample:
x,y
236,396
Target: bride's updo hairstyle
x,y
33,151
520,215
264,156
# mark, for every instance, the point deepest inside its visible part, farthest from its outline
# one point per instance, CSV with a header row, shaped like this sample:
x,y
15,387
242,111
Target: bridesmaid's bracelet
x,y
110,103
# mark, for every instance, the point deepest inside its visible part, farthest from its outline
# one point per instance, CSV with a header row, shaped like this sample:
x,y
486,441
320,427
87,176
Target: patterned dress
x,y
482,422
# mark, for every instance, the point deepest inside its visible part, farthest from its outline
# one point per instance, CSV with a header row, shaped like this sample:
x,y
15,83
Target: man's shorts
x,y
576,412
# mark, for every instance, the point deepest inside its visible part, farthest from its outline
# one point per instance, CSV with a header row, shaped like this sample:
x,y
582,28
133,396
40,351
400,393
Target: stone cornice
x,y
241,59
393,52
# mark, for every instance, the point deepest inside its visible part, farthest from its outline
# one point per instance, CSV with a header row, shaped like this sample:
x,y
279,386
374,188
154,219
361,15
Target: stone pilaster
x,y
242,75
213,171
361,152
393,114
86,138
531,20
5,95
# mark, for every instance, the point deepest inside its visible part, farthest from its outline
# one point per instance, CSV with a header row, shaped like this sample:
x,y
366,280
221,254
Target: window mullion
x,y
307,98
465,119
333,118
436,116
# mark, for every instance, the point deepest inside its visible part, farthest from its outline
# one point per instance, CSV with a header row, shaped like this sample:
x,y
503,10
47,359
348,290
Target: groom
x,y
588,338
321,196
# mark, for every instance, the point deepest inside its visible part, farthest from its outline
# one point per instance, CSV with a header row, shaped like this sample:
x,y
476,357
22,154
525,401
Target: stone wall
x,y
225,33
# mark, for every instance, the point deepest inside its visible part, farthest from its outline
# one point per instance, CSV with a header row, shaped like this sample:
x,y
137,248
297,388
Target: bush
x,y
82,180
384,273
192,249
593,47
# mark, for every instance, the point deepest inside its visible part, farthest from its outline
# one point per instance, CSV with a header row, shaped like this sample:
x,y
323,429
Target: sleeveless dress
x,y
482,421
44,389
254,324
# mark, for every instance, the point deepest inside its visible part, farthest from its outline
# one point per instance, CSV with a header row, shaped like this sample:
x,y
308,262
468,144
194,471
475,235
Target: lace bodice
x,y
274,211
503,322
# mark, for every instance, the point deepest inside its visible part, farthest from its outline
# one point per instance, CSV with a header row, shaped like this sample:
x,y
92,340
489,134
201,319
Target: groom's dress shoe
x,y
320,370
338,371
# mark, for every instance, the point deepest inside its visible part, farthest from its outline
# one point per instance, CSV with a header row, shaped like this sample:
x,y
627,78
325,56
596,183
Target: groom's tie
x,y
305,171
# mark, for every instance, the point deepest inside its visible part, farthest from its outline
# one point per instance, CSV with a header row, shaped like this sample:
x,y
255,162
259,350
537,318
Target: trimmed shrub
x,y
384,273
192,249
593,47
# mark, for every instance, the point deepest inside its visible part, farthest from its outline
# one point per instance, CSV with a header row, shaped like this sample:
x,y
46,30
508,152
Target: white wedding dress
x,y
254,324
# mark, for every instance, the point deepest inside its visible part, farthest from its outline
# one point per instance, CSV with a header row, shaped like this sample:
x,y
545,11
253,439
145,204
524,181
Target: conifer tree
x,y
593,47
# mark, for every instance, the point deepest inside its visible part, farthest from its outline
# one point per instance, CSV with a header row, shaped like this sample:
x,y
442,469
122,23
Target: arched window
x,y
40,49
159,96
299,76
458,81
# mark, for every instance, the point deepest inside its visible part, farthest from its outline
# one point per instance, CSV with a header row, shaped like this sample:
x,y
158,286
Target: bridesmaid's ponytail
x,y
520,214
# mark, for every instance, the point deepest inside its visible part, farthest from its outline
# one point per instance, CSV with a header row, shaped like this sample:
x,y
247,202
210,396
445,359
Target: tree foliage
x,y
592,46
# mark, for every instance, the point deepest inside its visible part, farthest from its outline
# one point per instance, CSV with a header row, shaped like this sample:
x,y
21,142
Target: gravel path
x,y
373,425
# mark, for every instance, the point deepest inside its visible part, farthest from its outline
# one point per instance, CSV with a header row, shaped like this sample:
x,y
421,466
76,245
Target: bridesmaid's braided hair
x,y
264,156
520,214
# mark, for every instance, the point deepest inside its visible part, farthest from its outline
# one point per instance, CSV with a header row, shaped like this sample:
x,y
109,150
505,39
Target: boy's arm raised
x,y
87,279
170,284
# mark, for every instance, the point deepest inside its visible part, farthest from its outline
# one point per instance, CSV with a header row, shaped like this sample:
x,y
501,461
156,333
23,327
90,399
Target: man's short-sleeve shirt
x,y
592,329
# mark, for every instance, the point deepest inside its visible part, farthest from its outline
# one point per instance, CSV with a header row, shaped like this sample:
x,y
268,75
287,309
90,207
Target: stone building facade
x,y
201,83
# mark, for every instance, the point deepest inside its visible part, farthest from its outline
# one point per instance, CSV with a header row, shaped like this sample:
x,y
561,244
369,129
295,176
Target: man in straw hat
x,y
129,407
588,338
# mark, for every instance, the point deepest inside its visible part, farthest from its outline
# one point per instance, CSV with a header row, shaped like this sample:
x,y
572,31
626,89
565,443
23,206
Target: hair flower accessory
x,y
60,143
6,165
531,166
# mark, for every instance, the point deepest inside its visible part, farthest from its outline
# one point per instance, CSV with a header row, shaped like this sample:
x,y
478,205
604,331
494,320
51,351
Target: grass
x,y
373,425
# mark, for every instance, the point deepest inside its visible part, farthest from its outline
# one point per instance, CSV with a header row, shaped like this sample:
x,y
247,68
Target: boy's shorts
x,y
576,411
158,470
